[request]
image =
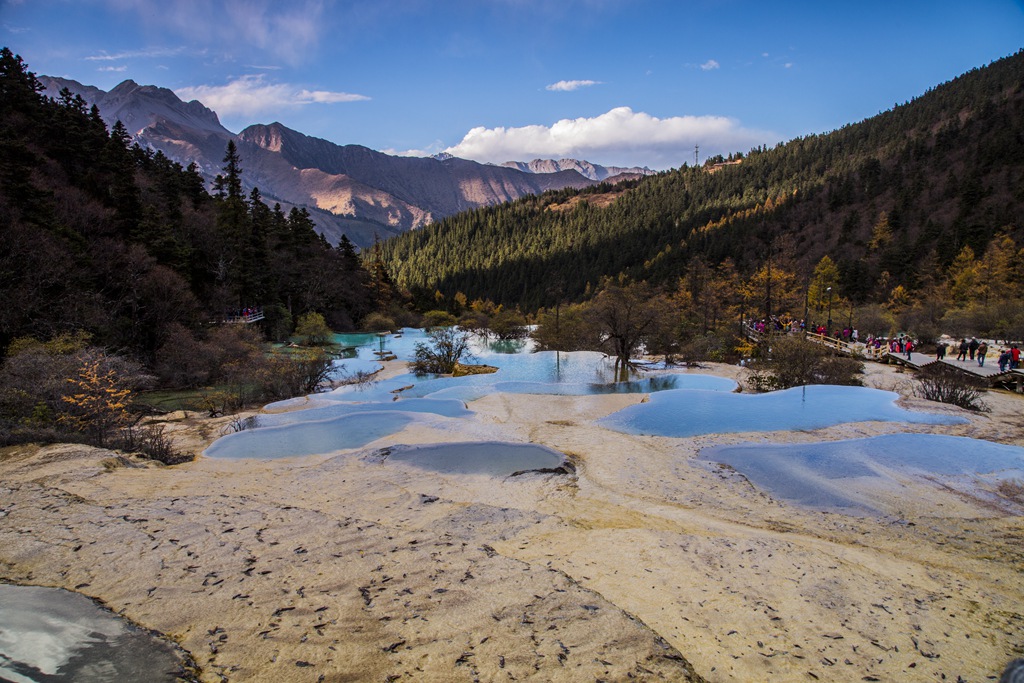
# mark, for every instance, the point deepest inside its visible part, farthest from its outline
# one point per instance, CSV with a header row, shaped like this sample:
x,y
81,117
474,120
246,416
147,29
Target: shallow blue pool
x,y
825,475
353,415
683,412
547,372
495,458
309,438
327,410
520,370
350,368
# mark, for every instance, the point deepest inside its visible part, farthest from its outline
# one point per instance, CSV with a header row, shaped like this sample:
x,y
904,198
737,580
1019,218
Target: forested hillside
x,y
119,272
899,202
103,237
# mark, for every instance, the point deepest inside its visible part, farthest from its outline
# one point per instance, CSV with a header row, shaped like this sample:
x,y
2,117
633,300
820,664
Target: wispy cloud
x,y
710,65
326,97
251,95
114,69
618,137
568,86
284,30
151,53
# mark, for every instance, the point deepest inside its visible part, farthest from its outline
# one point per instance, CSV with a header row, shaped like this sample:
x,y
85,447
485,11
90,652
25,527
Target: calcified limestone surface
x,y
647,563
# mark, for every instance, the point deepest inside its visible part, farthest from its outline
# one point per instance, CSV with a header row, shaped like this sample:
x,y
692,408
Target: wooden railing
x,y
252,316
849,348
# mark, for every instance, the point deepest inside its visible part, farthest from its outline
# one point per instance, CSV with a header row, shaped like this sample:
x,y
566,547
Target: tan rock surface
x,y
343,568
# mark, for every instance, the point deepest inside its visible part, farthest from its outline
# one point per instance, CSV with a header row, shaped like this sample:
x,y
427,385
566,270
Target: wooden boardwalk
x,y
989,372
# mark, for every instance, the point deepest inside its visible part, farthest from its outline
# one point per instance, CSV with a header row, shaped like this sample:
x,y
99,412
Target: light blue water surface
x,y
520,370
683,412
494,458
822,475
353,415
310,438
348,368
326,410
681,404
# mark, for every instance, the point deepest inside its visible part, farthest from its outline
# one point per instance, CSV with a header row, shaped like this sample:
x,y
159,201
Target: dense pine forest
x,y
912,217
104,236
118,270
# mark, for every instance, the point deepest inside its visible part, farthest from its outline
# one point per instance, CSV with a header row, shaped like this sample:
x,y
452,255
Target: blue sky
x,y
616,82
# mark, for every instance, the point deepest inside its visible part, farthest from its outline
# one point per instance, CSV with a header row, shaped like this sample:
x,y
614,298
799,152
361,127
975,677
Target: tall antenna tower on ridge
x,y
696,155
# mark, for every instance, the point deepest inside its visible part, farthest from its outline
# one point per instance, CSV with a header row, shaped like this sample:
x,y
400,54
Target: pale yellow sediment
x,y
353,569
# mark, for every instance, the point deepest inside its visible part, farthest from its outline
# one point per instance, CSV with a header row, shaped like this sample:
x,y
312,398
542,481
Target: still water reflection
x,y
844,474
48,634
493,458
682,413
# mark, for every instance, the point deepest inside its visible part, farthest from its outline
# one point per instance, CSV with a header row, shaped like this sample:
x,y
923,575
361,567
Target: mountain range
x,y
347,189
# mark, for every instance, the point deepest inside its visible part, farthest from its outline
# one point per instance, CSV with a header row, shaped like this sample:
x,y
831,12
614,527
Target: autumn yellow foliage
x,y
98,400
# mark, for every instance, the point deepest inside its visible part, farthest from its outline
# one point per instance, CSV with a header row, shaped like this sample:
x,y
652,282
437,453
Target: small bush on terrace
x,y
447,346
791,361
939,382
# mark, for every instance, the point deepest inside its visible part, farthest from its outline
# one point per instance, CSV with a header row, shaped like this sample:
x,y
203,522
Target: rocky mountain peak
x,y
140,106
349,189
586,169
270,137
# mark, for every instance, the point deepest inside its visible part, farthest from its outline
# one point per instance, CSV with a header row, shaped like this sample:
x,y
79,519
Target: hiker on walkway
x,y
982,350
1004,360
963,350
940,350
1014,357
909,346
973,347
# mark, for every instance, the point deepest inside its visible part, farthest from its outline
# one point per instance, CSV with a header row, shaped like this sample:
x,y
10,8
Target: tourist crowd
x,y
972,350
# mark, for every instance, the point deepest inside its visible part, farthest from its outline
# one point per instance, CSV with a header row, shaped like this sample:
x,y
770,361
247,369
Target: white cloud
x,y
620,137
430,150
252,95
710,65
116,69
568,86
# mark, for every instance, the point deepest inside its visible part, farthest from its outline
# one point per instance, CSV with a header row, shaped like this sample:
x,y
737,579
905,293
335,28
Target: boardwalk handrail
x,y
840,345
250,315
